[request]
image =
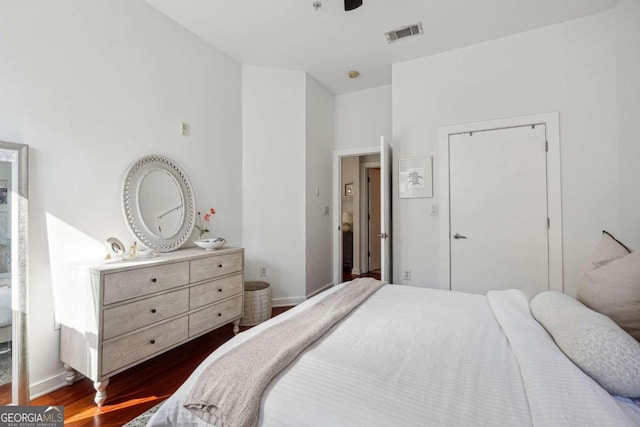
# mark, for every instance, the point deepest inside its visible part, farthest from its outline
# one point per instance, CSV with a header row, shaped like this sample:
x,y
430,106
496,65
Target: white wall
x,y
274,175
628,85
319,141
362,117
91,87
568,68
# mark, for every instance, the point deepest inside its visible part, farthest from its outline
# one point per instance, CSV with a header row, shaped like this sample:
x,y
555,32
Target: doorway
x,y
353,238
360,212
14,383
498,210
500,190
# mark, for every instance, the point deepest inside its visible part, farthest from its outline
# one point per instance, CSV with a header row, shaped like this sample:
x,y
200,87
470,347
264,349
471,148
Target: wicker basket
x,y
257,303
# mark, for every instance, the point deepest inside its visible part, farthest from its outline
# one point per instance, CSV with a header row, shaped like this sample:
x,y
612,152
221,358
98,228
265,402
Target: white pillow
x,y
592,341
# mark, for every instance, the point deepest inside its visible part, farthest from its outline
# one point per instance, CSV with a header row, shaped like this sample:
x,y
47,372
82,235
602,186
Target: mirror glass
x,y
14,377
161,203
158,203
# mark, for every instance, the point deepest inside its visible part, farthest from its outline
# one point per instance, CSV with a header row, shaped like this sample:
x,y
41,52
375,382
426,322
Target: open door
x,y
386,153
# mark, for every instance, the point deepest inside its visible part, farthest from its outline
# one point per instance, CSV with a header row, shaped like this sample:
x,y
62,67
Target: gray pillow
x,y
592,341
610,284
608,249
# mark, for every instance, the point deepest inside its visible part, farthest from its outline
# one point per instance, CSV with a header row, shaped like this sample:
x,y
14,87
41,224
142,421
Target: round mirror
x,y
158,203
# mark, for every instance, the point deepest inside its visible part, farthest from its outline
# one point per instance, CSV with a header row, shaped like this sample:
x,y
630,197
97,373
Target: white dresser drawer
x,y
210,292
123,313
128,317
215,315
134,283
121,352
212,267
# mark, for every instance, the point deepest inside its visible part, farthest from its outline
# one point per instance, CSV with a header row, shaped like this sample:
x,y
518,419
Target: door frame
x,y
364,168
337,203
554,192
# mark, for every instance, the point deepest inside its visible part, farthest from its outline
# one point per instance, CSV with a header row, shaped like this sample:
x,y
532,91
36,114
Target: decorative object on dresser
x,y
211,244
201,226
115,248
158,203
122,314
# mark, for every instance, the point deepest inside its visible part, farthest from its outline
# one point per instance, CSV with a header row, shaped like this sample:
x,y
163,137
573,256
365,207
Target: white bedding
x,y
412,356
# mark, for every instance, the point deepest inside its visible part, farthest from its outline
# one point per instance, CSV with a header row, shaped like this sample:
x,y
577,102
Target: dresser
x,y
117,315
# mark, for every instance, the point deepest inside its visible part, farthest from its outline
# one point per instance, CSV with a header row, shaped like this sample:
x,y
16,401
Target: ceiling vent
x,y
404,32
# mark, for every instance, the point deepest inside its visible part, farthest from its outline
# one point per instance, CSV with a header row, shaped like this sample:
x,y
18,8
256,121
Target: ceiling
x,y
327,43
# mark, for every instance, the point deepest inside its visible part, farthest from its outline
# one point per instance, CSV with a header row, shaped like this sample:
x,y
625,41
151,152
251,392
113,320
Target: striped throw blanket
x,y
229,391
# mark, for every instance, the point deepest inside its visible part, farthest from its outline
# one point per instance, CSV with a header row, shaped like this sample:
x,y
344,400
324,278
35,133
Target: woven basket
x,y
257,303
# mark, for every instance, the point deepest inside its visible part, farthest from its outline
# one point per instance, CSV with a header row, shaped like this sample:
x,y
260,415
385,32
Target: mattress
x,y
414,356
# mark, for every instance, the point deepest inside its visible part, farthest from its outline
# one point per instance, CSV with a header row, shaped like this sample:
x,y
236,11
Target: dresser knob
x,y
154,280
219,290
153,310
152,341
219,314
219,265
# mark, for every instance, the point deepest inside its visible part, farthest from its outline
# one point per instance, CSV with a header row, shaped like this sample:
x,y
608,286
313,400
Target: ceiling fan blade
x,y
352,4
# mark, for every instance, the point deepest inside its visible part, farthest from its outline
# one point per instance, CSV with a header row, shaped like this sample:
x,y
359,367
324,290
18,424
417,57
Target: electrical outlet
x,y
263,271
406,274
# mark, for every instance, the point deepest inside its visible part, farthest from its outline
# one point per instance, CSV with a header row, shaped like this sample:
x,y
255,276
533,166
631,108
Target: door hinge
x,y
548,223
546,146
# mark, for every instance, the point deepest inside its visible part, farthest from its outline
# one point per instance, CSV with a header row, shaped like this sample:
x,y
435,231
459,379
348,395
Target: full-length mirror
x,y
158,203
14,375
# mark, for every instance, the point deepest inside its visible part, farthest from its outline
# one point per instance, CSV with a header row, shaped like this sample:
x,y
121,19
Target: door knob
x,y
459,236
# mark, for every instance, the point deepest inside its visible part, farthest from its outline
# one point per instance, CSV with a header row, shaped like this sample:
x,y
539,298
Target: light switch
x,y
325,210
434,209
317,191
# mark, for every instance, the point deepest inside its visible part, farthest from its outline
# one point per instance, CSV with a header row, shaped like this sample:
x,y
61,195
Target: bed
x,y
415,356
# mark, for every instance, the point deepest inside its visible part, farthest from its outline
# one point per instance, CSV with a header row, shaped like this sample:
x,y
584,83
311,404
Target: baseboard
x,y
47,385
322,289
285,302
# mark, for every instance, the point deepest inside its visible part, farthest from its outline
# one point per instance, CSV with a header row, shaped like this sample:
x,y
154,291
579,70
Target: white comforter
x,y
412,356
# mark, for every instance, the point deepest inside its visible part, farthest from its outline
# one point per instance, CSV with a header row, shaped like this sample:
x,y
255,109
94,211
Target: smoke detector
x,y
404,32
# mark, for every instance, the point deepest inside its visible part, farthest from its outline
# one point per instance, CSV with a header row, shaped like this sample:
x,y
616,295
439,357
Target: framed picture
x,y
348,190
416,177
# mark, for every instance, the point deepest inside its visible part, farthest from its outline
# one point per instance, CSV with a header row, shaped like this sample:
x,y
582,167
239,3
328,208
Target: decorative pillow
x,y
610,284
607,250
592,341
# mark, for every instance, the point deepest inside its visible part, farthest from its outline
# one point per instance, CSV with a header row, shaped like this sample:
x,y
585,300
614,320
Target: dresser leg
x,y
101,391
70,376
236,326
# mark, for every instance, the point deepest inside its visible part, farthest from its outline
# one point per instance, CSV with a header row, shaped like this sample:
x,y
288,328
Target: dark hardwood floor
x,y
140,388
346,275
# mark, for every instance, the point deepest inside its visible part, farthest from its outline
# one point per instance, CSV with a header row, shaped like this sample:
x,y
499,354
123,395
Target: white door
x,y
498,210
373,214
386,153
